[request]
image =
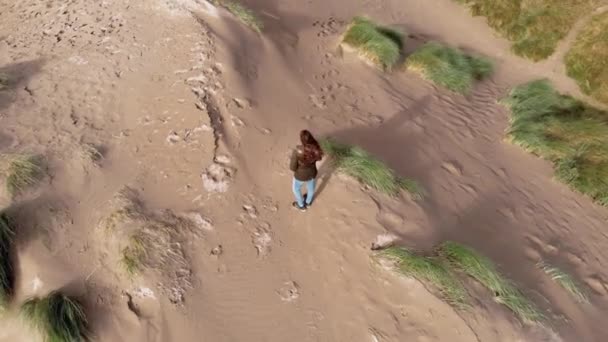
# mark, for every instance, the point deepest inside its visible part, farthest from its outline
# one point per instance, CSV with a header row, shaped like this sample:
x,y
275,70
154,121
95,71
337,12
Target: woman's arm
x,y
293,163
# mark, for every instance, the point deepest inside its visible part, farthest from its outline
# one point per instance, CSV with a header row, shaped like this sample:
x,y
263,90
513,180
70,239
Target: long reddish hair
x,y
311,150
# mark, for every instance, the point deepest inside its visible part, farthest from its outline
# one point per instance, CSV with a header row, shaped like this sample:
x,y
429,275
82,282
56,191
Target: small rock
x,y
383,241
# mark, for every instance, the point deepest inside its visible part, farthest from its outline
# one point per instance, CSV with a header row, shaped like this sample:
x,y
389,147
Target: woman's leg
x,y
297,191
310,191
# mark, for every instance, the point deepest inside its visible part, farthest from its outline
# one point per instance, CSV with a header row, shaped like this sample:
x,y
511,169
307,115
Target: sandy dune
x,y
196,114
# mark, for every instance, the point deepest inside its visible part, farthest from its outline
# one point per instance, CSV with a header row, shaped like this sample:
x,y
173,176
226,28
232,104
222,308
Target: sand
x,y
195,116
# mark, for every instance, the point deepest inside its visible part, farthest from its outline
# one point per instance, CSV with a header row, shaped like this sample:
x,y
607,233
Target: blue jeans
x,y
310,191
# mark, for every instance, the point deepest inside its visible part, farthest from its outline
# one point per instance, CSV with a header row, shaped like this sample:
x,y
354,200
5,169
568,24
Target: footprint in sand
x,y
289,292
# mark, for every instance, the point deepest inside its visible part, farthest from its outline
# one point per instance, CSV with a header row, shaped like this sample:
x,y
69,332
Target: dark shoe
x,y
308,205
295,205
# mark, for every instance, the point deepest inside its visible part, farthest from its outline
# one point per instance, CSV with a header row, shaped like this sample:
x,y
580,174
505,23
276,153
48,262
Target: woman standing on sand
x,y
304,166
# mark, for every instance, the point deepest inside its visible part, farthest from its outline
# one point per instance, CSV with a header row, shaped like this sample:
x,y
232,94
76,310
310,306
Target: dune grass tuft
x,y
381,45
132,256
587,60
449,67
565,131
241,12
21,171
59,317
429,270
564,280
7,233
534,27
483,270
4,81
358,163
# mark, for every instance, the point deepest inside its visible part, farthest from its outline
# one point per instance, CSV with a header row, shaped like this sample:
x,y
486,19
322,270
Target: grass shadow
x,y
15,76
403,144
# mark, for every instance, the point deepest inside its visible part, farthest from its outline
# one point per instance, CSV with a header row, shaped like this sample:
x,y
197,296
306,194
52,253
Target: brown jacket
x,y
302,172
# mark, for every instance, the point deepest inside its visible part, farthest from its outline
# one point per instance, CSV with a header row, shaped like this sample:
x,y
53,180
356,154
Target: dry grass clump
x,y
587,60
58,317
21,171
359,164
133,255
564,280
379,44
483,270
449,67
565,131
429,270
7,275
534,27
149,243
241,12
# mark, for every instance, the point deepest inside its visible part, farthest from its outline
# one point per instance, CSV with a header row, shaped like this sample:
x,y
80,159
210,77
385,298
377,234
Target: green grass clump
x,y
381,45
483,270
449,67
7,233
535,27
4,81
59,317
565,281
133,255
21,171
244,14
587,60
429,270
565,131
358,163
